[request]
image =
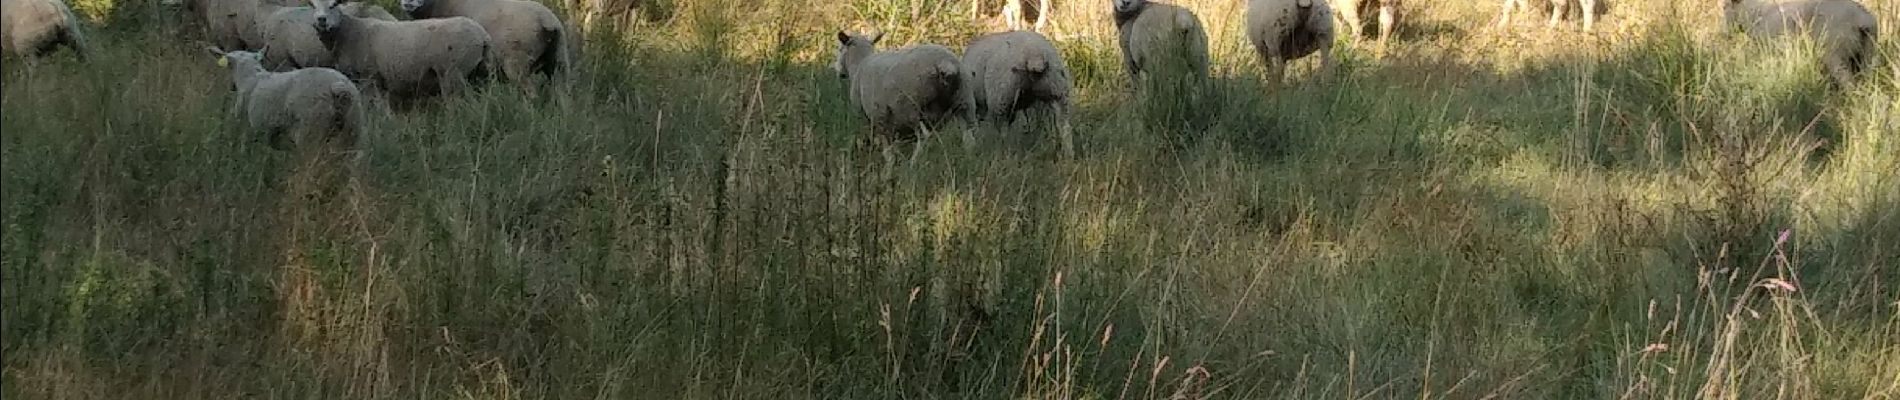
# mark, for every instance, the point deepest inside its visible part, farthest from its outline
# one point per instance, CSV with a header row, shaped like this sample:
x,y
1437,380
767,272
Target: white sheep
x,y
291,34
906,92
1015,71
307,104
37,27
1286,30
1844,29
1160,36
405,58
1559,10
1358,15
527,36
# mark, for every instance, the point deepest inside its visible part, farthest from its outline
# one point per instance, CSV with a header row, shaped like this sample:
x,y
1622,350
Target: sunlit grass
x,y
1518,213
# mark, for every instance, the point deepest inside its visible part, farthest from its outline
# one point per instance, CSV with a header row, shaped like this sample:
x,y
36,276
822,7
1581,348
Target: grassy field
x,y
1649,211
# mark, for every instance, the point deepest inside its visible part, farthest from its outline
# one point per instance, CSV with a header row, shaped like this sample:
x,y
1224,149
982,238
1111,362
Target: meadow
x,y
1653,210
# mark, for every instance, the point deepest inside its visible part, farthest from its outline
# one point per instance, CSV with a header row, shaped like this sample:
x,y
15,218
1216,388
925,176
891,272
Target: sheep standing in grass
x,y
405,58
527,36
1844,29
1358,15
1286,30
36,27
904,92
1560,10
1157,37
291,34
306,104
1016,71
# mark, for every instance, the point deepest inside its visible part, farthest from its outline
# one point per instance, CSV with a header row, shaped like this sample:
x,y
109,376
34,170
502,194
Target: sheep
x,y
1014,71
1559,10
1844,29
292,32
527,36
1358,13
906,92
308,104
36,27
1155,35
1287,30
404,58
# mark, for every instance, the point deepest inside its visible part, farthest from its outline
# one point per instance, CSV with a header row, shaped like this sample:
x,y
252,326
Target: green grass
x,y
1477,214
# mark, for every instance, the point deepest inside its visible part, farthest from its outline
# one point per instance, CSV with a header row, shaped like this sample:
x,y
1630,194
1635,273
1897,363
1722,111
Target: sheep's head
x,y
852,48
1129,6
412,6
240,63
329,16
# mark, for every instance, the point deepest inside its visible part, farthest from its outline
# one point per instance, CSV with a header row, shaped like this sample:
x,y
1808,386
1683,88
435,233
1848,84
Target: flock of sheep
x,y
295,68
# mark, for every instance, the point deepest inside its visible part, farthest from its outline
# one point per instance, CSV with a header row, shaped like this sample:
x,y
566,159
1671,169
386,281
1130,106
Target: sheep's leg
x,y
1557,10
1589,14
1042,14
1839,69
1012,14
1326,61
924,135
1388,18
1504,15
1275,68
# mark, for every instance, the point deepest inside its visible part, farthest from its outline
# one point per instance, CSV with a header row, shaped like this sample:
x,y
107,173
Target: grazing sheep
x,y
291,33
406,58
1358,15
1559,10
1844,29
1015,71
1287,30
527,36
35,27
904,92
1155,35
308,104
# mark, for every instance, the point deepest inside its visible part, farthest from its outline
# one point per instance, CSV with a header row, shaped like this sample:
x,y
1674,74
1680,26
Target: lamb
x,y
308,104
1159,37
1358,14
36,27
1559,10
405,58
1287,30
904,92
1844,29
1015,71
292,32
527,36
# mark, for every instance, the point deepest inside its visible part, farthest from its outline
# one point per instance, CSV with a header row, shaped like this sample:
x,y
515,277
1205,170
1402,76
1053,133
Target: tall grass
x,y
1648,212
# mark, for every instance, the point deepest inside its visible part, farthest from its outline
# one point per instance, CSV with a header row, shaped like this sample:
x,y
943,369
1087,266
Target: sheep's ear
x,y
844,38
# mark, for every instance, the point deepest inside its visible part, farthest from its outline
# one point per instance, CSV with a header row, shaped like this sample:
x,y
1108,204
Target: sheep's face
x,y
852,48
329,16
410,6
244,60
1128,6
